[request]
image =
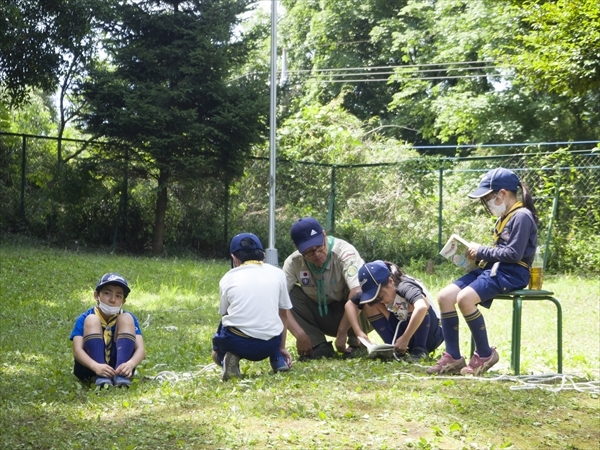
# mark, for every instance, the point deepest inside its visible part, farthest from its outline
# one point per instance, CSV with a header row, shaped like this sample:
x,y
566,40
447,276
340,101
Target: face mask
x,y
109,310
496,210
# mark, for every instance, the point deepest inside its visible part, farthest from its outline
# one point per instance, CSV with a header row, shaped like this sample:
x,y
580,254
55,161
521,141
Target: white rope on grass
x,y
547,382
553,382
174,377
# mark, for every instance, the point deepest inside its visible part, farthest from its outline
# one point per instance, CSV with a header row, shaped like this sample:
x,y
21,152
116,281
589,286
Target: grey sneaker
x,y
231,366
447,364
102,381
478,365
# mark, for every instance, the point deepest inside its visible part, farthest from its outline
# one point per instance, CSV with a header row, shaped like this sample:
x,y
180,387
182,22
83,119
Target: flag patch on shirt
x,y
304,277
345,256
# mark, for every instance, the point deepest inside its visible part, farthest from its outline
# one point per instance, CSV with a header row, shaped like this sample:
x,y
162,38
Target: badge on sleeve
x,y
304,277
351,271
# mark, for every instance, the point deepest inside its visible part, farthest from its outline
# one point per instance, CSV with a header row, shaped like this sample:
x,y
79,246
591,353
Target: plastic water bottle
x,y
537,271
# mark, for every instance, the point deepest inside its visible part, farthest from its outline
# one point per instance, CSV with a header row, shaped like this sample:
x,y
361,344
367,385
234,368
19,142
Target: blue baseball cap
x,y
370,277
114,279
494,180
306,233
236,243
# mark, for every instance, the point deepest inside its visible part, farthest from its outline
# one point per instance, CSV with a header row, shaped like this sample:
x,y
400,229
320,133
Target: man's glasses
x,y
313,250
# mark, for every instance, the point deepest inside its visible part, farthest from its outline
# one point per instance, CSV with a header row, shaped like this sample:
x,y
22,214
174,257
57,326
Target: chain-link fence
x,y
408,209
399,211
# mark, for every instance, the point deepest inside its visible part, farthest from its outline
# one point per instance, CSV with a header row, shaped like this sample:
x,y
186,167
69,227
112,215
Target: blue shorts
x,y
509,277
229,339
434,338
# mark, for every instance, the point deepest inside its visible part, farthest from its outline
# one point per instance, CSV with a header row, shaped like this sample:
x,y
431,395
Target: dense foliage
x,y
170,98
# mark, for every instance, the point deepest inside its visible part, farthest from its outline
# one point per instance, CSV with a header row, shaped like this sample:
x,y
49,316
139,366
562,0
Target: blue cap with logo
x,y
306,233
494,180
113,279
370,277
236,243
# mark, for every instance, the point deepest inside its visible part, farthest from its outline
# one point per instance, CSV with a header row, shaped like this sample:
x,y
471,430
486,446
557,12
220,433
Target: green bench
x,y
518,297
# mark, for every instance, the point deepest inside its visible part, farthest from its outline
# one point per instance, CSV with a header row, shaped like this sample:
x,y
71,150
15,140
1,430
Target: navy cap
x,y
307,233
494,180
370,277
114,279
237,240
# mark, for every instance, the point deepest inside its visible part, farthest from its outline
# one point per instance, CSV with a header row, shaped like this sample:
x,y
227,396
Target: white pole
x,y
271,253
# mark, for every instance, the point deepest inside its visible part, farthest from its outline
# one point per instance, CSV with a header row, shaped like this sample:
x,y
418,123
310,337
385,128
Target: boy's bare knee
x,y
92,324
125,323
124,319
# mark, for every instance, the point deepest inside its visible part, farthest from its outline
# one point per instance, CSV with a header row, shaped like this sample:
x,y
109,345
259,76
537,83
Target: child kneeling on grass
x,y
397,308
107,341
254,305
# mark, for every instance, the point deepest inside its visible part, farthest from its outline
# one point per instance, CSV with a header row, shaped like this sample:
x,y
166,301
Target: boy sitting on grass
x,y
107,341
254,305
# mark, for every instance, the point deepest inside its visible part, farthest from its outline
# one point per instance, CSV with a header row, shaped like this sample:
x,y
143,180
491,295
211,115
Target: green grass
x,y
332,404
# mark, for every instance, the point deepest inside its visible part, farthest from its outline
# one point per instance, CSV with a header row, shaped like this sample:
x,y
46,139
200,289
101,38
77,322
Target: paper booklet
x,y
455,250
376,348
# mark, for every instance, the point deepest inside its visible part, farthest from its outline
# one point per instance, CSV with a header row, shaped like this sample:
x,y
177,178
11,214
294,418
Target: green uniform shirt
x,y
340,275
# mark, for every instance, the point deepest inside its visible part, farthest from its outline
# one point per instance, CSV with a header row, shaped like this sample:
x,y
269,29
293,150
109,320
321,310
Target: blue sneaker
x,y
279,365
119,381
103,381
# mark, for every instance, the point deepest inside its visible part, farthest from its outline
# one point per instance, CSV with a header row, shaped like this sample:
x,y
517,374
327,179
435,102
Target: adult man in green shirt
x,y
322,275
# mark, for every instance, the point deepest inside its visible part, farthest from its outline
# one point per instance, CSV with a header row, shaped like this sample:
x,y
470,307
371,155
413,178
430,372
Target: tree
x,y
33,36
341,35
167,91
557,45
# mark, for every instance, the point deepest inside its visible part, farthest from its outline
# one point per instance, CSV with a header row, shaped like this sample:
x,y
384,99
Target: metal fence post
x,y
554,211
23,155
123,200
440,206
330,226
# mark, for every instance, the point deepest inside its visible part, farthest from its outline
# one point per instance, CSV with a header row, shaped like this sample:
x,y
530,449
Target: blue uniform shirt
x,y
78,328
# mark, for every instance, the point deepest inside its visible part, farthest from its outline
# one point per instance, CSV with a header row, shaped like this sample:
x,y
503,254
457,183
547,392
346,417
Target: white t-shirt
x,y
251,296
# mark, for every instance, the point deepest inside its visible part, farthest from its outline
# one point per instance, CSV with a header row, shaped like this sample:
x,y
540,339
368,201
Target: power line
x,y
399,66
387,80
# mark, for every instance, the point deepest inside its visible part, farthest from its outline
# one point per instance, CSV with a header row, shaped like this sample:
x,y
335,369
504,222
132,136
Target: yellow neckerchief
x,y
251,261
502,221
107,327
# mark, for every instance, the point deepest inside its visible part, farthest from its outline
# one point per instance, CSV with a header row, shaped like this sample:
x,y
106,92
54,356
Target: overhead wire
x,y
412,71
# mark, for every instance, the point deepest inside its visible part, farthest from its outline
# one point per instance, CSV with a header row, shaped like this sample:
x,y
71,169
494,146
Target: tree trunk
x,y
161,210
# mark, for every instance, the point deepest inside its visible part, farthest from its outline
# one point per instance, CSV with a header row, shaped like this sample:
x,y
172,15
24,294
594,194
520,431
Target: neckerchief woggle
x,y
107,327
321,295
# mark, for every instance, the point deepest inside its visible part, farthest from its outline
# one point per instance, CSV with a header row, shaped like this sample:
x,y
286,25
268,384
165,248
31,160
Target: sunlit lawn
x,y
355,404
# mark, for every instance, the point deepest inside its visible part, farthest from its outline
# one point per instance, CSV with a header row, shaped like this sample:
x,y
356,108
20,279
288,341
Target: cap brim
x,y
370,295
315,241
480,192
126,289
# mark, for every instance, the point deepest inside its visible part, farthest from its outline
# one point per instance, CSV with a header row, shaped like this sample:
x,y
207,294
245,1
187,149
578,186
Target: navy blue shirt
x,y
517,241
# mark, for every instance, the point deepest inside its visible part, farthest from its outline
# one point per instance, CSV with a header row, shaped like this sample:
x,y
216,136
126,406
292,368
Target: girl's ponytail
x,y
528,201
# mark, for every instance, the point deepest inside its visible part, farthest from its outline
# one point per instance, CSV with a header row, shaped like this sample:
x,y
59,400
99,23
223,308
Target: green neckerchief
x,y
321,296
